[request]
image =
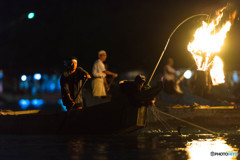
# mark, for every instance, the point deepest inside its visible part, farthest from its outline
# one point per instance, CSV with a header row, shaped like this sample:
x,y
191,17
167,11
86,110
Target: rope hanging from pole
x,y
182,120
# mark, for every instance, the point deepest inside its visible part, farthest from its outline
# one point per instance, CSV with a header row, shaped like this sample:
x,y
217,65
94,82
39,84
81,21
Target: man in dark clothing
x,y
137,94
134,96
72,81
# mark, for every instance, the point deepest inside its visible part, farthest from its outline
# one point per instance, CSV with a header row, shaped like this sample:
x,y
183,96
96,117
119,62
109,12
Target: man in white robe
x,y
99,83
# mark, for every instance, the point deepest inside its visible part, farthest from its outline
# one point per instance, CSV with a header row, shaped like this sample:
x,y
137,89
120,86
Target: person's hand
x,y
147,86
72,103
115,75
88,76
153,101
107,87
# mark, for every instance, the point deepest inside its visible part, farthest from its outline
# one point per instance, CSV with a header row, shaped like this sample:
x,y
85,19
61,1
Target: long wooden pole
x,y
160,58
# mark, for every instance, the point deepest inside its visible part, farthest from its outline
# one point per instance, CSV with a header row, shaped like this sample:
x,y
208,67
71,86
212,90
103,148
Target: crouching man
x,y
134,97
137,94
72,81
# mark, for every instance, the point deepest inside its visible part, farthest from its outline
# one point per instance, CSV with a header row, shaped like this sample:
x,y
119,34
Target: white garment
x,y
98,68
98,88
169,73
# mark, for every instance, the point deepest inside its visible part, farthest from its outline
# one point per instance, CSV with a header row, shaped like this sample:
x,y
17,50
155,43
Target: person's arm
x,y
84,72
170,70
106,84
110,73
66,92
71,101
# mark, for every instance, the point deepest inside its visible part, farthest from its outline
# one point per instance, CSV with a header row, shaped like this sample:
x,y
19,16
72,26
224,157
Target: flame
x,y
208,40
233,16
216,72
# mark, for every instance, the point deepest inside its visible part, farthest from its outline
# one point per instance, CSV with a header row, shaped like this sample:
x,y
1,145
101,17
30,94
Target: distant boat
x,y
211,117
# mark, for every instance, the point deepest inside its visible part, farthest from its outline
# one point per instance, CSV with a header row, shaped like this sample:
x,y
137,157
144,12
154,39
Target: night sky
x,y
132,32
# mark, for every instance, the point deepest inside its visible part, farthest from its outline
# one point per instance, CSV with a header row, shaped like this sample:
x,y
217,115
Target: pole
x,y
81,88
160,58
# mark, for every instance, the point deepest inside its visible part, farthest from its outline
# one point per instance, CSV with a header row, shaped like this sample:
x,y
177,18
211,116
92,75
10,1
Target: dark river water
x,y
148,145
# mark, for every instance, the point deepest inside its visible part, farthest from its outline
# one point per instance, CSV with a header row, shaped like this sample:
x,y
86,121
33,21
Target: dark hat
x,y
140,78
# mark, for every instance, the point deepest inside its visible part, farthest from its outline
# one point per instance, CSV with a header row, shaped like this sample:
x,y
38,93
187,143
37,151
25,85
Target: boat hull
x,y
107,118
216,118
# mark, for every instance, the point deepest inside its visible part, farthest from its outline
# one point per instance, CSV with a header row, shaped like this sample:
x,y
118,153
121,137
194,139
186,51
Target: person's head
x,y
71,63
102,55
170,61
139,81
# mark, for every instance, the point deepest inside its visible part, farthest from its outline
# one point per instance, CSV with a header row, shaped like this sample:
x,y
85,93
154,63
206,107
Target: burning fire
x,y
208,40
216,71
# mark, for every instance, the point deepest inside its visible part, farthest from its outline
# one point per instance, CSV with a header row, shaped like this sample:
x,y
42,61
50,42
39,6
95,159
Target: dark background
x,y
133,33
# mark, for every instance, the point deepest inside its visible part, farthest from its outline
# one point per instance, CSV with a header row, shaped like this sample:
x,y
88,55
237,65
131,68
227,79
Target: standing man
x,y
72,81
171,82
169,71
99,72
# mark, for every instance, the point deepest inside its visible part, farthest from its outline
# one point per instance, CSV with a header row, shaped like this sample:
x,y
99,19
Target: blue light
x,y
52,87
31,15
37,102
1,74
24,103
235,77
61,103
188,74
37,76
23,78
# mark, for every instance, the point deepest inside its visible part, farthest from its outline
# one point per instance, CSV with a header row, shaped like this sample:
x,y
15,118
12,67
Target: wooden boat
x,y
215,118
115,118
106,118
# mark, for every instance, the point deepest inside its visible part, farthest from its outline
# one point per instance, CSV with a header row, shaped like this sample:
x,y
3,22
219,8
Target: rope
x,y
190,123
164,123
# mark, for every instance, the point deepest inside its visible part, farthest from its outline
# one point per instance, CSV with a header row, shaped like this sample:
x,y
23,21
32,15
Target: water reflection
x,y
210,149
142,147
84,148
